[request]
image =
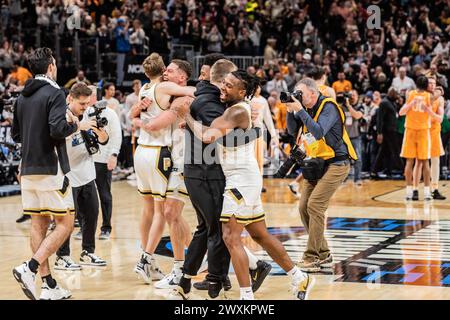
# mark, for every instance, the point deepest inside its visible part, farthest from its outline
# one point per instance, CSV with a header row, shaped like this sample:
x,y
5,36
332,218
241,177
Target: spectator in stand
x,y
193,33
292,77
214,39
229,43
402,83
137,37
122,36
270,53
79,78
159,39
19,74
342,84
244,43
278,84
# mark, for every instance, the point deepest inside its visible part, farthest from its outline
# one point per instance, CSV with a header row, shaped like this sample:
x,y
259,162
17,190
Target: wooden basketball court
x,y
383,247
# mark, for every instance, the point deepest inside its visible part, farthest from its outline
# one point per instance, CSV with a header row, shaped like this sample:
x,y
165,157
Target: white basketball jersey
x,y
161,137
240,166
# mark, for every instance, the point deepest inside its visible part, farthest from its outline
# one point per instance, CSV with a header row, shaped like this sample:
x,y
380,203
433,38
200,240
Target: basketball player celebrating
x,y
242,206
416,141
41,124
437,150
319,75
153,164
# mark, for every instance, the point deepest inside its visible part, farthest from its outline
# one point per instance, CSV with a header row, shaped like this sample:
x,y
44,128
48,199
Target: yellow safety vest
x,y
320,148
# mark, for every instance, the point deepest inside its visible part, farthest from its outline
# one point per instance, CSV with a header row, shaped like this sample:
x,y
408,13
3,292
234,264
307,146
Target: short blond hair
x,y
220,69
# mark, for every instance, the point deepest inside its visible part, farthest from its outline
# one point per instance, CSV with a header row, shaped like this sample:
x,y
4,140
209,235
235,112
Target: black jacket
x,y
387,116
41,127
205,108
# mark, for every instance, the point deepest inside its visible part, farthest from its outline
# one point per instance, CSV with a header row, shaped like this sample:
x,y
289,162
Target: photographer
x,y
329,150
105,162
353,115
82,178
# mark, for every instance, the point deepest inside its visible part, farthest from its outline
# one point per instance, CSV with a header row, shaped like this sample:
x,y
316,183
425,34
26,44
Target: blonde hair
x,y
154,65
220,69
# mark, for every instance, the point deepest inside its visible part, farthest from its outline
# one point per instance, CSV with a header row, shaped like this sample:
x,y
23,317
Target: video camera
x,y
296,156
96,114
341,96
286,97
89,137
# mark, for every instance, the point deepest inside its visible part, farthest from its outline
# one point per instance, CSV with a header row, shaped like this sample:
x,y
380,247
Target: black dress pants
x,y
207,198
86,207
388,156
103,181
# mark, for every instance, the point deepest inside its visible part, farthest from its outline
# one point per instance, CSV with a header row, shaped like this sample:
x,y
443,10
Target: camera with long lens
x,y
341,96
296,156
286,97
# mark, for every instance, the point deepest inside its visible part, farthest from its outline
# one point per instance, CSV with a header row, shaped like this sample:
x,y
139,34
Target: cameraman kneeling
x,y
82,178
328,150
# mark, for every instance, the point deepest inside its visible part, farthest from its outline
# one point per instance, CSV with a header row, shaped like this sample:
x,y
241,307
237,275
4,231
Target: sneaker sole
x,y
63,298
66,269
168,286
24,287
327,265
261,278
94,264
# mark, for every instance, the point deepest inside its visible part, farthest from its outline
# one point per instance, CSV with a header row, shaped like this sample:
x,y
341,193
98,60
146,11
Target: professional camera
x,y
296,157
98,108
341,96
286,97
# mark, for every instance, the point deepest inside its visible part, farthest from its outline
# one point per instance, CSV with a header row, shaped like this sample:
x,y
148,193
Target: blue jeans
x,y
357,145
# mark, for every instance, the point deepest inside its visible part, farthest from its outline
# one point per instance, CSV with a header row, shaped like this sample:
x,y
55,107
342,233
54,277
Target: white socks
x,y
434,173
178,267
409,191
252,260
247,294
426,191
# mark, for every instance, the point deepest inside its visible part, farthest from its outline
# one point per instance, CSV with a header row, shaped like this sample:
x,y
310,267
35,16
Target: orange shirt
x,y
280,114
417,118
342,86
323,89
22,75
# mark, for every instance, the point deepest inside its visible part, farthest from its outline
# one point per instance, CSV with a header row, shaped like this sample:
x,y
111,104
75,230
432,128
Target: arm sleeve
x,y
327,119
115,134
59,127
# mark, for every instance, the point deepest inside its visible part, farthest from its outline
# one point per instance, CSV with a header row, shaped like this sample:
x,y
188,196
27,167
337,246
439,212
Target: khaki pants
x,y
314,202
